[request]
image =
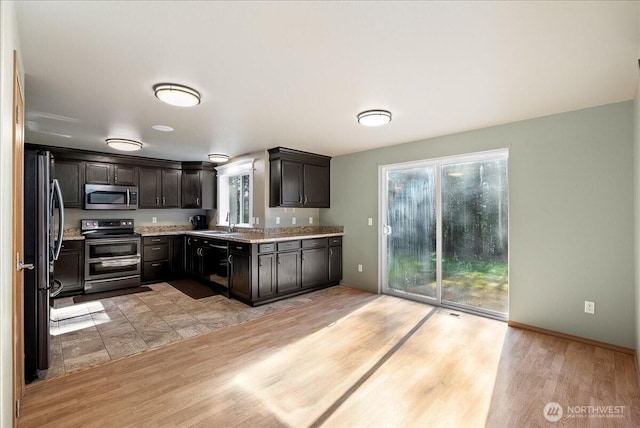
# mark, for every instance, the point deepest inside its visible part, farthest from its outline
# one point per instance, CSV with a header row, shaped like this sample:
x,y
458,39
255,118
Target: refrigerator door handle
x,y
56,290
57,193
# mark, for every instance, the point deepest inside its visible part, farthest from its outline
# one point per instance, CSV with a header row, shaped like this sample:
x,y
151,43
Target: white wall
x,y
8,43
571,216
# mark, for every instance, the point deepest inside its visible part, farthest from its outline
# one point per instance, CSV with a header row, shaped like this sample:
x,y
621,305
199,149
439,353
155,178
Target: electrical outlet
x,y
370,221
310,220
293,220
277,220
190,219
589,307
154,219
359,268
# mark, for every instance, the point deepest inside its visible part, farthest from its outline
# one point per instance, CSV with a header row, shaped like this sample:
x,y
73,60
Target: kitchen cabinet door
x,y
198,189
314,267
335,264
191,189
316,186
291,191
149,188
240,275
266,275
190,254
288,271
98,173
125,175
70,175
171,188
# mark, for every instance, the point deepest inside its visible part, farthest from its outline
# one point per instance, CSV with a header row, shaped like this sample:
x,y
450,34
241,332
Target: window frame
x,y
225,172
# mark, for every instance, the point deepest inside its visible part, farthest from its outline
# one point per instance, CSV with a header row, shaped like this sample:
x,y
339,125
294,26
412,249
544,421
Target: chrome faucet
x,y
232,228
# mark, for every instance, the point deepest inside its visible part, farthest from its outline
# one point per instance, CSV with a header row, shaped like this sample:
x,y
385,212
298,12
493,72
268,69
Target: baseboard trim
x,y
575,338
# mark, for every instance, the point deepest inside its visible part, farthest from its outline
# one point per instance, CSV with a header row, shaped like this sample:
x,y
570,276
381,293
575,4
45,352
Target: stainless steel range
x,y
112,255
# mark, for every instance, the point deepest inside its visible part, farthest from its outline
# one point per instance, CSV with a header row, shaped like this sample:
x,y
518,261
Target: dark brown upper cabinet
x,y
70,175
159,188
198,185
299,179
108,173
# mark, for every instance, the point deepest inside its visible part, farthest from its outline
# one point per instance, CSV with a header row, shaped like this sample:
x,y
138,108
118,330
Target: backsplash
x,y
141,217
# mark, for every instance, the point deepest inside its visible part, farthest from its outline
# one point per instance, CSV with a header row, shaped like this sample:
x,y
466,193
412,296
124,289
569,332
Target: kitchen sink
x,y
212,232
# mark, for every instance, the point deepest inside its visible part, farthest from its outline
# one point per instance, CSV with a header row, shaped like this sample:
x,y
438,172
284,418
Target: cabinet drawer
x,y
155,270
72,245
240,247
148,240
152,253
289,245
336,240
314,243
266,248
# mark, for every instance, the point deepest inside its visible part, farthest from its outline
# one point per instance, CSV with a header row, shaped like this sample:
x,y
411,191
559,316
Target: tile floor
x,y
94,332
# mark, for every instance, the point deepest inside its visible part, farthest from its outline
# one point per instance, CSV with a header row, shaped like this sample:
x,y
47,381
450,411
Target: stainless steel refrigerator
x,y
43,227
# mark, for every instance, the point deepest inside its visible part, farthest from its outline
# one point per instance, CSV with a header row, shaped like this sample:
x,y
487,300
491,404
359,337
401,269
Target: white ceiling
x,y
296,74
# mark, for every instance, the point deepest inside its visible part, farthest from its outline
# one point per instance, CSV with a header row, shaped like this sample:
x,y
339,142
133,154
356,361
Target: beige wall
x,y
571,216
141,217
8,43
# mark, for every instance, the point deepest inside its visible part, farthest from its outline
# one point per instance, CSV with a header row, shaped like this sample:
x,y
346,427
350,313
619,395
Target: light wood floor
x,y
348,359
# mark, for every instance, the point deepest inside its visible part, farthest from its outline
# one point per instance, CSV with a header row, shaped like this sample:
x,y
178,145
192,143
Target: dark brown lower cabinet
x,y
240,274
314,262
263,273
69,268
335,259
161,257
288,271
266,275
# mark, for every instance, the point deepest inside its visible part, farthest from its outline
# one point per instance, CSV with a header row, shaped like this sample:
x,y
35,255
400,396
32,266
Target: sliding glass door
x,y
444,237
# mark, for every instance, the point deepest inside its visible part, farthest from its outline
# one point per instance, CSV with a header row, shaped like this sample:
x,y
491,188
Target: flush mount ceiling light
x,y
218,157
124,144
374,117
177,95
163,128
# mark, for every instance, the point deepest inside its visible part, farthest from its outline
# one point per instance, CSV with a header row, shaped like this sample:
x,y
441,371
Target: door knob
x,y
21,265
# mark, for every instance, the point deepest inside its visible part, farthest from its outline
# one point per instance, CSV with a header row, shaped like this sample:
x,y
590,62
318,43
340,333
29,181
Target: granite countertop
x,y
262,237
252,236
72,235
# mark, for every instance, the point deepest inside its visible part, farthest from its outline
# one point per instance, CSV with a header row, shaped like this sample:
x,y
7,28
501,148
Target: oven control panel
x,y
102,224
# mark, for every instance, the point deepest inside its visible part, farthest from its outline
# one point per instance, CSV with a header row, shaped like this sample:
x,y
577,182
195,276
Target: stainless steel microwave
x,y
110,197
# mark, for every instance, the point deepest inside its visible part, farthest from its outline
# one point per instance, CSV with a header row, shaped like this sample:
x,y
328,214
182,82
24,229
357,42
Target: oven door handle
x,y
100,241
120,262
111,258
